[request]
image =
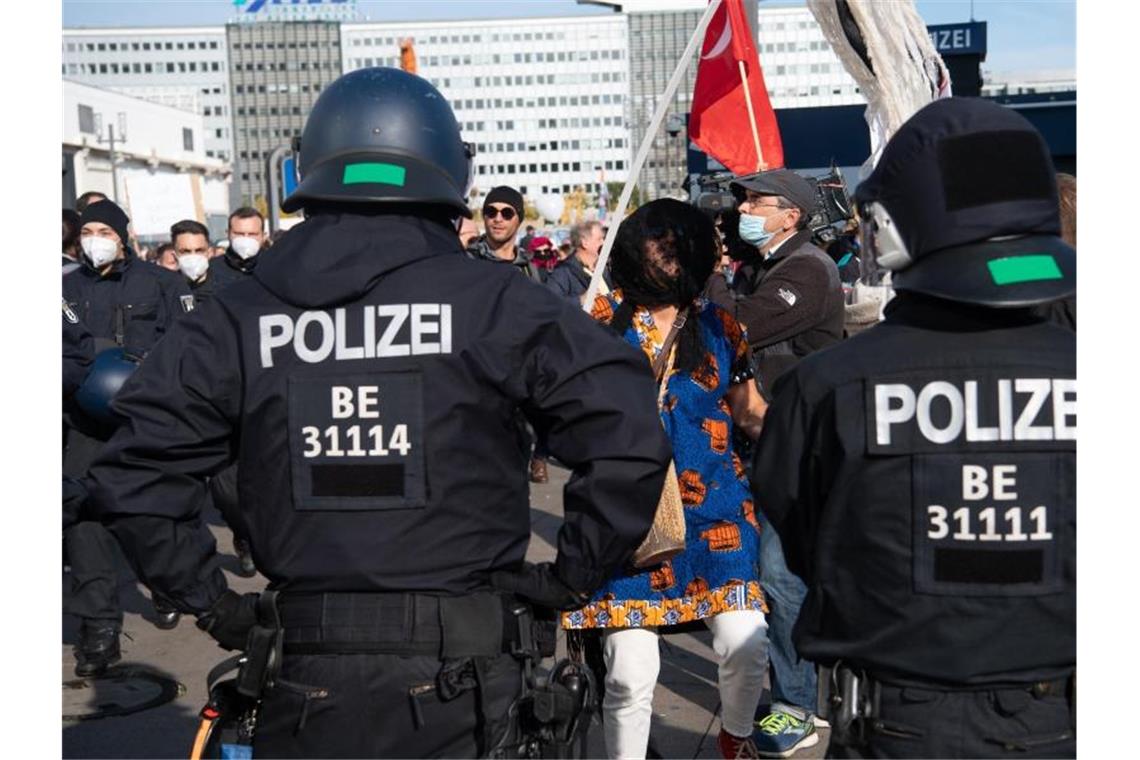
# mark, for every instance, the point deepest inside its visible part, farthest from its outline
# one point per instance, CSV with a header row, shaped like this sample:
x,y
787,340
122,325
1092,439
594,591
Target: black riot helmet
x,y
963,205
381,135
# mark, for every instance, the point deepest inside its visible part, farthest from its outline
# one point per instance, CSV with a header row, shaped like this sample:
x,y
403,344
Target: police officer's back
x,y
367,378
922,474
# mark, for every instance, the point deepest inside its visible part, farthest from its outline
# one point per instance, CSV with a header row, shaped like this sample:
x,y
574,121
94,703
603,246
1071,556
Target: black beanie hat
x,y
508,195
107,212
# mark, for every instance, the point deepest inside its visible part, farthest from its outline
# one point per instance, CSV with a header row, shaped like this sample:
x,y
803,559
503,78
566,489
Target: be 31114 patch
x,y
356,441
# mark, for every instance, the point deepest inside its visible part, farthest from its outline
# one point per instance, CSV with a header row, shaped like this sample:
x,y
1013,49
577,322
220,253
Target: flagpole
x,y
751,118
663,104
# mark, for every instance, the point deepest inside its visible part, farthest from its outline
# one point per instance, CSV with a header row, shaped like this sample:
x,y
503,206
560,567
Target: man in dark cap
x,y
126,303
921,474
502,214
788,296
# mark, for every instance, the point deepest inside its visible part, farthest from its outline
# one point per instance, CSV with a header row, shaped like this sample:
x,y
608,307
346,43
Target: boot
x,y
166,617
538,472
98,647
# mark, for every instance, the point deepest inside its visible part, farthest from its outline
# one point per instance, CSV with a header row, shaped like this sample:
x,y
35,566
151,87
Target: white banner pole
x,y
752,118
663,104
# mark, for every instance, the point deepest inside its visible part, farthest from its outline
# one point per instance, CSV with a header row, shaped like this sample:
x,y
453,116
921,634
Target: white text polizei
x,y
319,335
1019,402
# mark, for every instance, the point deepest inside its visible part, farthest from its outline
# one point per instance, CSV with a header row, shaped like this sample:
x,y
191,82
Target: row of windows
x,y
217,154
179,67
270,111
287,66
596,121
214,111
803,92
595,77
271,89
595,144
467,104
455,39
100,47
271,45
565,166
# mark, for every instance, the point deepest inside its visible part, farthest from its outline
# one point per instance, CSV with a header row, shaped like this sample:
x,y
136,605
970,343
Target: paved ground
x,y
177,661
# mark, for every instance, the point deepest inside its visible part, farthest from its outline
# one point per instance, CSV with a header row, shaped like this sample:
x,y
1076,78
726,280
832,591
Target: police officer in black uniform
x,y
922,474
366,379
129,304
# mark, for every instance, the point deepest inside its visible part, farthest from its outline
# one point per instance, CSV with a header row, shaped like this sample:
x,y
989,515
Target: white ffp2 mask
x,y
101,251
193,265
245,247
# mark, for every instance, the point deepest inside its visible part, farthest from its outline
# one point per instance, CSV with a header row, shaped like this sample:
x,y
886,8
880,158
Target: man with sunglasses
x,y
502,216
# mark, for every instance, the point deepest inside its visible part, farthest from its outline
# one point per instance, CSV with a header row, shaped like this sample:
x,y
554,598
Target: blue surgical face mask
x,y
752,230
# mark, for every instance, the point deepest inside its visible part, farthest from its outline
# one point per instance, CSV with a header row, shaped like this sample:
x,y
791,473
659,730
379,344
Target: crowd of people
x,y
708,365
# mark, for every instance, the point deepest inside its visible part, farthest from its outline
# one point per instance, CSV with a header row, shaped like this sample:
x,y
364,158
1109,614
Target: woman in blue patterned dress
x,y
663,255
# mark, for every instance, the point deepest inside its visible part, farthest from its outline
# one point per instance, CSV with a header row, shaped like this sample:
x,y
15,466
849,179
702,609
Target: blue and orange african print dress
x,y
718,570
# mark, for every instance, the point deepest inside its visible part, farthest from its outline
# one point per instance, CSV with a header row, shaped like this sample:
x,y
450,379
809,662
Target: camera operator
x,y
786,292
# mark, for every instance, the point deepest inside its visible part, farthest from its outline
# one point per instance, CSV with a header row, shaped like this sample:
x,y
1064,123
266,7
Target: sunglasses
x,y
507,213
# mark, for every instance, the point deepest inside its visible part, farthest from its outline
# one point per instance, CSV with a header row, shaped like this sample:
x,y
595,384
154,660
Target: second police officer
x,y
366,379
921,475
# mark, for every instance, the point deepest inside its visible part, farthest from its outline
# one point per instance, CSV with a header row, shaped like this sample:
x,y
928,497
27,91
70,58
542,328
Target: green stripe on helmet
x,y
1031,268
377,174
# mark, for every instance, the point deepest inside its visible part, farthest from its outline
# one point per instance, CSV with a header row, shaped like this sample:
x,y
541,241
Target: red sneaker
x,y
734,747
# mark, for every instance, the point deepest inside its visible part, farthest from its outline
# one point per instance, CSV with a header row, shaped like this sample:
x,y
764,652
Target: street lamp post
x,y
111,139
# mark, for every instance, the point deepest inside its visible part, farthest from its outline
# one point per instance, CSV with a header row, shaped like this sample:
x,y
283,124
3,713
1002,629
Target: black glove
x,y
539,584
230,619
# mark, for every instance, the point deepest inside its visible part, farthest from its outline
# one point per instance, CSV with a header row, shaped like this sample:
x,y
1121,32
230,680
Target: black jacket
x,y
134,304
480,249
569,279
230,268
78,351
791,304
367,379
919,563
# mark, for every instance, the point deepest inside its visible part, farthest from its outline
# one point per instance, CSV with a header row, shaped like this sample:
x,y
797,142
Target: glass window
x,y
86,119
187,139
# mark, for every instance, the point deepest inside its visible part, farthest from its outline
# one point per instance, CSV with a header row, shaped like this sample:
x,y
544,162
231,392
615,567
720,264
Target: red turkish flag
x,y
718,120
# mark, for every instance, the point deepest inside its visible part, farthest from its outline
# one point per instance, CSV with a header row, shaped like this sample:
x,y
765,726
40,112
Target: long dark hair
x,y
663,256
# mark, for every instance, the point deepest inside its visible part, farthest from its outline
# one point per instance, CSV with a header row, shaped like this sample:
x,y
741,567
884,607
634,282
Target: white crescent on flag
x,y
721,44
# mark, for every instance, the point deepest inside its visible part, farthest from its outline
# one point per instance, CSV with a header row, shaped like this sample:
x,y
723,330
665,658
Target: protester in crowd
x,y
192,248
468,231
790,300
543,256
571,278
502,215
662,258
528,238
70,237
126,304
564,250
89,197
165,257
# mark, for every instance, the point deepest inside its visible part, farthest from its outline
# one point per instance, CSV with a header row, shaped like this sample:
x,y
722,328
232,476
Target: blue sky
x,y
1024,35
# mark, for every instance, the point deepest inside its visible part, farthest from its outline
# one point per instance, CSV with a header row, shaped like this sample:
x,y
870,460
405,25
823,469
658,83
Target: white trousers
x,y
633,662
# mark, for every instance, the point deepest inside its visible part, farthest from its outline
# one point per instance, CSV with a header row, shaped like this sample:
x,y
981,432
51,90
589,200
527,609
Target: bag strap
x,y
665,377
666,354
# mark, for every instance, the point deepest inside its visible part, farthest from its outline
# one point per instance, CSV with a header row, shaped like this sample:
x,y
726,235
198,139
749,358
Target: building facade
x,y
277,71
543,99
552,104
182,67
160,172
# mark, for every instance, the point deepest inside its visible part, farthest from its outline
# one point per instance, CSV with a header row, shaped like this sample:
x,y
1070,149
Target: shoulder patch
x,y
69,314
787,295
187,303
